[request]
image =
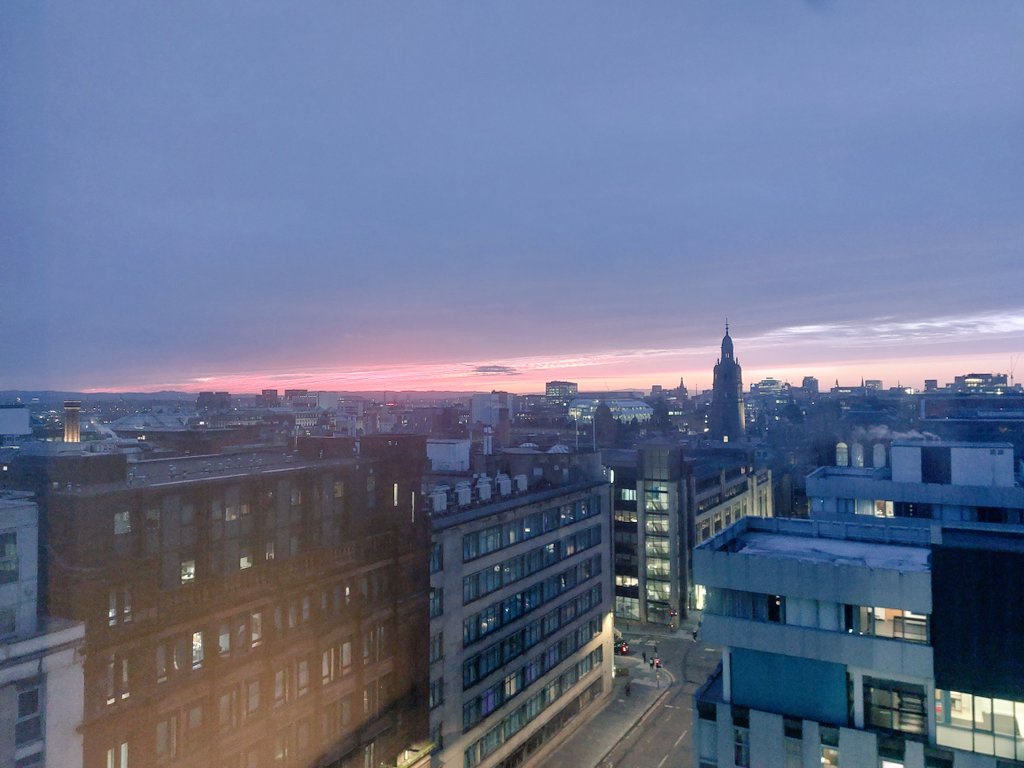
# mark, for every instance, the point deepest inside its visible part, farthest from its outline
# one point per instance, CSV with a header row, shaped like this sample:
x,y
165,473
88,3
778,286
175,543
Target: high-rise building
x,y
72,421
728,420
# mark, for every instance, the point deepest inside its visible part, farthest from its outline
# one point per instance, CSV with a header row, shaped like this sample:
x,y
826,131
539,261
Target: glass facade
x,y
980,724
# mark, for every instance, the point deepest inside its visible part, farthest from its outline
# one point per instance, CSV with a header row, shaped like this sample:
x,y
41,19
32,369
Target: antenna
x,y
1013,366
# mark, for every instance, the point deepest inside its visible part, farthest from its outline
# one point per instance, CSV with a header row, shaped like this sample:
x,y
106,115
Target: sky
x,y
484,195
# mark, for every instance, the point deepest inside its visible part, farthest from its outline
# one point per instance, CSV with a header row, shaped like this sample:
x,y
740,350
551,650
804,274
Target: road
x,y
664,739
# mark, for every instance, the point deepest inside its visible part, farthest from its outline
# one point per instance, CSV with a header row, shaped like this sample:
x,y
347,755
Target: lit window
x,y
197,650
245,559
122,523
188,571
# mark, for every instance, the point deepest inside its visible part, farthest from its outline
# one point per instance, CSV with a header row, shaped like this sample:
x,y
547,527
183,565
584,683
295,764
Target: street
x,y
663,738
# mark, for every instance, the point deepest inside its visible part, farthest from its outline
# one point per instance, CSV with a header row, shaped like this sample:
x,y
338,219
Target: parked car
x,y
622,648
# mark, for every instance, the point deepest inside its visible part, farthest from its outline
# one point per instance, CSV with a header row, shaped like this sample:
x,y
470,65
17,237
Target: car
x,y
622,648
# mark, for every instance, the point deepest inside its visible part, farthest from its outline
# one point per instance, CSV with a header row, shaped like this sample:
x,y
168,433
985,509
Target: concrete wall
x,y
828,582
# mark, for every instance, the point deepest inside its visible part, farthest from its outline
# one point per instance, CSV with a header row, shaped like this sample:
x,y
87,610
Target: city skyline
x,y
487,198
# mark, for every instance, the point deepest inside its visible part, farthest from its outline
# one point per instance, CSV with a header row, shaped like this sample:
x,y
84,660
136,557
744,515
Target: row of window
x,y
483,542
228,509
371,587
488,580
515,721
980,724
182,732
891,749
188,652
479,665
488,700
500,614
872,621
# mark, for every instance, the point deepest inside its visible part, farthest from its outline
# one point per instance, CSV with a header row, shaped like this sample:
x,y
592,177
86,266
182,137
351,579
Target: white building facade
x,y
41,674
850,644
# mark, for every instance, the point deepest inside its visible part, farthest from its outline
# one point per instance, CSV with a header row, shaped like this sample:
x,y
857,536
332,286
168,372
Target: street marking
x,y
671,706
679,740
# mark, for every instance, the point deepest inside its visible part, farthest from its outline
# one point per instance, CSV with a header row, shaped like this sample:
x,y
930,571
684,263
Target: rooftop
x,y
877,546
835,551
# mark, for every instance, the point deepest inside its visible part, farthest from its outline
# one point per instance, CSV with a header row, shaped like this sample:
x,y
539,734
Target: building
x,y
72,421
582,409
520,606
668,498
41,680
927,481
986,383
257,608
728,419
862,644
560,393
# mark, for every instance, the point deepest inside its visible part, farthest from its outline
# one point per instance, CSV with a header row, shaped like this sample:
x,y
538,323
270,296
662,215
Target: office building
x,y
667,499
862,644
520,605
560,393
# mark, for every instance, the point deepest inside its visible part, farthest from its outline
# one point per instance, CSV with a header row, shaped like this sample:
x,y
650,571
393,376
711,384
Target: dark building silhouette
x,y
249,609
727,417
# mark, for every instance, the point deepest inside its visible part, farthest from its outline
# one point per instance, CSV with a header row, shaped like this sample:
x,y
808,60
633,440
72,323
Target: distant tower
x,y
72,428
727,417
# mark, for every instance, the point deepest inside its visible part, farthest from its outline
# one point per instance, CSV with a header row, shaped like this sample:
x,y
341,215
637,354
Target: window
x,y
188,571
122,523
8,557
829,747
436,647
117,756
895,706
436,557
245,559
256,628
346,657
436,692
252,701
302,676
224,639
161,662
741,746
197,650
280,687
167,738
29,725
436,602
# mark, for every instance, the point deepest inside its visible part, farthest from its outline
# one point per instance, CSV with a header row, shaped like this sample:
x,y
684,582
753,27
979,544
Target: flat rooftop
x,y
865,554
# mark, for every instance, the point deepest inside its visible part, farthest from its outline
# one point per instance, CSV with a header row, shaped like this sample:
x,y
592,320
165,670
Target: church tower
x,y
727,416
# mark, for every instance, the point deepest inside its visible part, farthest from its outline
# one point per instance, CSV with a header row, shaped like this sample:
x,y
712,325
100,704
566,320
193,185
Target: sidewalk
x,y
607,725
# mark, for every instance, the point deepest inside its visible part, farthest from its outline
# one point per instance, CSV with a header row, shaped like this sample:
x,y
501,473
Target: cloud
x,y
500,370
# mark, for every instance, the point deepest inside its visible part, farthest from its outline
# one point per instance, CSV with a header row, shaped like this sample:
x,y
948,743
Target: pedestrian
x,y
645,657
627,687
